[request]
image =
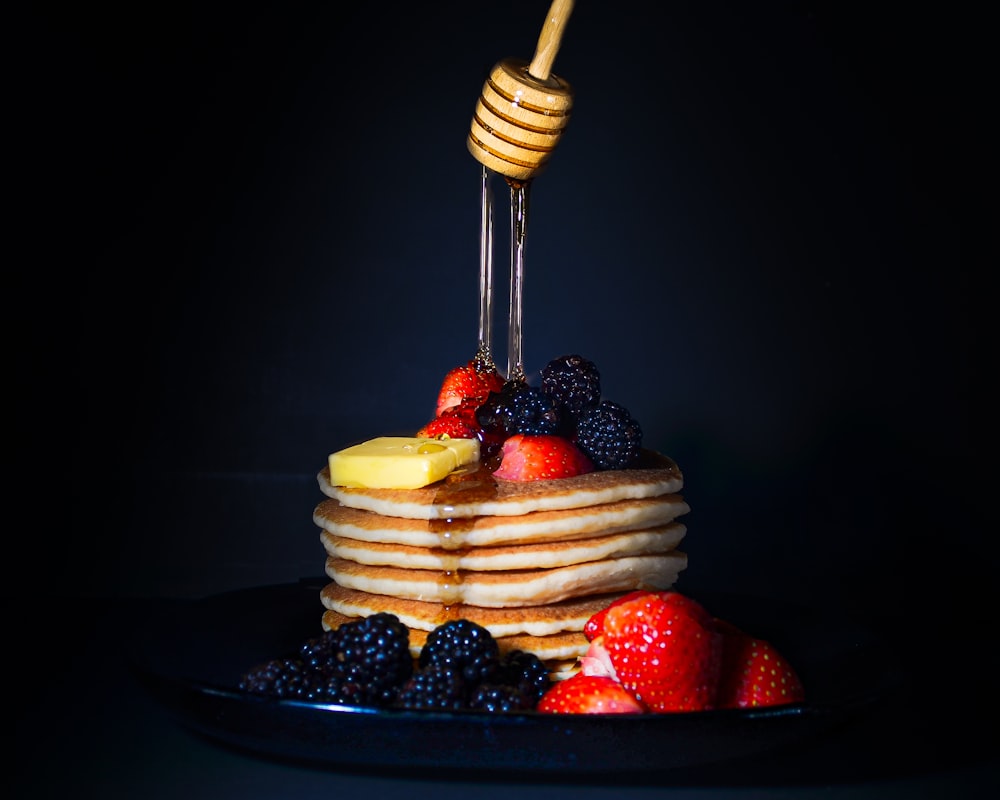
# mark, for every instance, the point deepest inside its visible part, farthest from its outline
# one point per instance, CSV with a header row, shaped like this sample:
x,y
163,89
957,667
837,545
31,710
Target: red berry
x,y
666,651
594,626
541,457
588,694
465,410
754,673
466,382
452,427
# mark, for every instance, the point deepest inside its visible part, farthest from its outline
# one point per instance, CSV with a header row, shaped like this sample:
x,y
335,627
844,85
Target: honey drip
x,y
519,195
477,486
459,488
518,232
484,352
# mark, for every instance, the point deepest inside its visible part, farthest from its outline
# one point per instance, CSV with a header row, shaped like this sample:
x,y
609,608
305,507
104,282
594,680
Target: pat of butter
x,y
400,462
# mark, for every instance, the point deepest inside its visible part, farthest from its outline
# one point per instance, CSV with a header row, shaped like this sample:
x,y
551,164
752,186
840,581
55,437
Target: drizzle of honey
x,y
459,488
479,485
519,195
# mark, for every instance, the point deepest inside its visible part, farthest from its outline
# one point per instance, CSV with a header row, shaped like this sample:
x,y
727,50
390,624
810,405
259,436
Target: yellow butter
x,y
400,462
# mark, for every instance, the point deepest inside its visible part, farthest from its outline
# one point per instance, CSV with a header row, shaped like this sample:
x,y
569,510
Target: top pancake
x,y
475,492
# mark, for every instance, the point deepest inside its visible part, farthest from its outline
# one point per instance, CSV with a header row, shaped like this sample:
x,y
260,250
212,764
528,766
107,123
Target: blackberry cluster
x,y
568,403
360,663
367,662
460,667
520,408
279,677
609,435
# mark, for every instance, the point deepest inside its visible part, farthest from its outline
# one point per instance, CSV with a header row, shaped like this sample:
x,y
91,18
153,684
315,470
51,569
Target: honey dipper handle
x,y
550,39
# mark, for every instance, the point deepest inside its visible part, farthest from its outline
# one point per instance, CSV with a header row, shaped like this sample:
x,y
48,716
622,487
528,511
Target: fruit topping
x,y
467,381
568,404
538,458
609,436
572,381
449,426
589,694
520,408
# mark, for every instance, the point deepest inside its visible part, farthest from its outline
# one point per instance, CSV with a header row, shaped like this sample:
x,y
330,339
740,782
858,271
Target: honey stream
x,y
477,486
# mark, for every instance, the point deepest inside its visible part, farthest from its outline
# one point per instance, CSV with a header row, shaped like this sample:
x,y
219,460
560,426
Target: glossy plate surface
x,y
191,655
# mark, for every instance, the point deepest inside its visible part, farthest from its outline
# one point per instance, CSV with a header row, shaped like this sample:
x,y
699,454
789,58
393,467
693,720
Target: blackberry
x,y
490,415
501,698
533,412
279,677
520,408
466,646
320,653
373,652
494,415
436,686
574,382
321,689
609,436
527,673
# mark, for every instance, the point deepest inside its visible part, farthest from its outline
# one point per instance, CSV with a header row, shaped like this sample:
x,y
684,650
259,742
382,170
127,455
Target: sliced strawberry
x,y
541,457
452,427
588,694
594,626
754,673
596,660
666,651
466,382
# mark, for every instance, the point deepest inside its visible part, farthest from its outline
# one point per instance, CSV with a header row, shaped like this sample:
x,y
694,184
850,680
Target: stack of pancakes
x,y
529,561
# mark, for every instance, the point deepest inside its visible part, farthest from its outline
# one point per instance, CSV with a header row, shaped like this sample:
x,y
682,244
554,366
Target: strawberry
x,y
754,673
465,410
665,650
452,427
594,626
540,457
588,694
467,381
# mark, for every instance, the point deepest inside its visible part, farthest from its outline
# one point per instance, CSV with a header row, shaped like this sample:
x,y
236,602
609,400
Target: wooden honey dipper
x,y
524,108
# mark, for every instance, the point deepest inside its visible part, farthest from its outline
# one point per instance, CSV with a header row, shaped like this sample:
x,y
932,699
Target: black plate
x,y
192,655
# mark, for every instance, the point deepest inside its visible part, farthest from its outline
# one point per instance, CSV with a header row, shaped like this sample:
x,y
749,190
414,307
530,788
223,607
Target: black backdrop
x,y
254,240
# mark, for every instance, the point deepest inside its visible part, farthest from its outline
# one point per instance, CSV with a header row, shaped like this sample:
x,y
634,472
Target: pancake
x,y
477,531
506,557
512,588
475,492
559,651
544,620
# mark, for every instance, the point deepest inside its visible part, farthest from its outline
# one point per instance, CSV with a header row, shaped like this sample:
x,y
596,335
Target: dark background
x,y
243,236
254,240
